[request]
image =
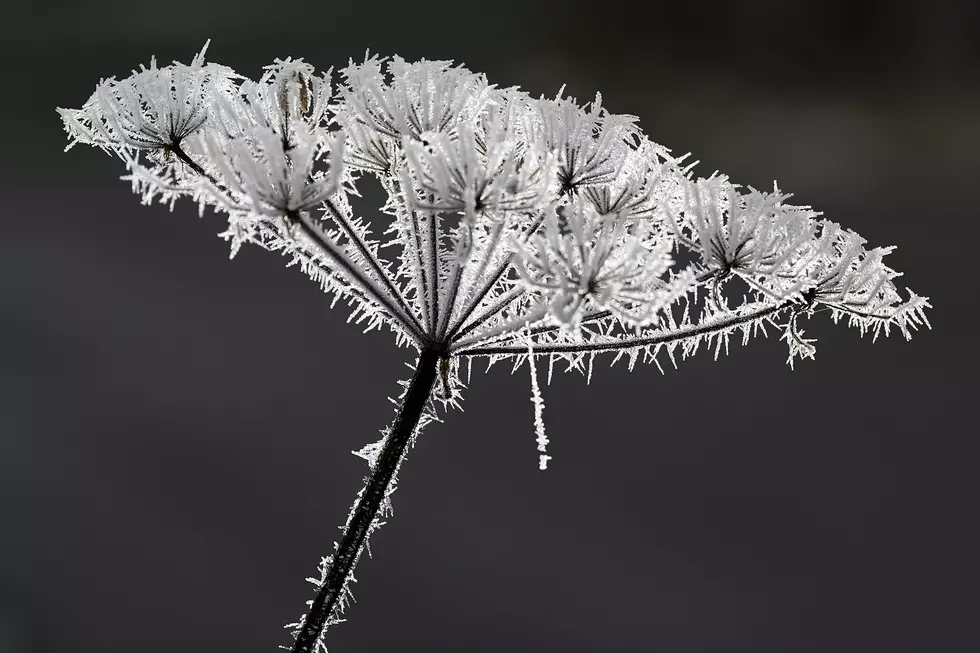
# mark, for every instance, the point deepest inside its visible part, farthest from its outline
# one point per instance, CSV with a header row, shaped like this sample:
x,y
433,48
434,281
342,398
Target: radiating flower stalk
x,y
521,228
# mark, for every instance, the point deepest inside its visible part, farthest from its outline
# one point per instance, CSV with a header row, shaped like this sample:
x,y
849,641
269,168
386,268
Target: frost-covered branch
x,y
687,335
376,266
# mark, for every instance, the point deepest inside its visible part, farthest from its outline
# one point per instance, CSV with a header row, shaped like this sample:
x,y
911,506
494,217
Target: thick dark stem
x,y
367,508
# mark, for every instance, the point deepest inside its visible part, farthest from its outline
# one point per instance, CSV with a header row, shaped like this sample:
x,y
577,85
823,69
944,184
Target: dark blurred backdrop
x,y
168,478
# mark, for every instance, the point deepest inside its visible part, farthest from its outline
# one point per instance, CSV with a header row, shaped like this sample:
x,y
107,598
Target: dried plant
x,y
521,228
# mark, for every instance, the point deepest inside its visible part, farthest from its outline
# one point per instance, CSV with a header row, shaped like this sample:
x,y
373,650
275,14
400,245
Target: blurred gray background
x,y
175,428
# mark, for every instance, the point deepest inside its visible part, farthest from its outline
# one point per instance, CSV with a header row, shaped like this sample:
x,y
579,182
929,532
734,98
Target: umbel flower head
x,y
514,228
611,262
514,222
750,234
510,218
152,109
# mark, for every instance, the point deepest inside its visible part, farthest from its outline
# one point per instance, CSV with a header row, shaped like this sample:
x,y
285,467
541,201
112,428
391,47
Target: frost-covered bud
x,y
507,176
425,96
749,233
510,115
153,109
850,279
635,193
289,97
263,177
592,145
367,149
584,260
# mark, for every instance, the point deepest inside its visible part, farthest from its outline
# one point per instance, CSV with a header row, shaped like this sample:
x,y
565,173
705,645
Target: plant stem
x,y
762,310
370,502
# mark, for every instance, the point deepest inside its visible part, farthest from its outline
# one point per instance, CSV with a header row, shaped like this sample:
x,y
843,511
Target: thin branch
x,y
630,343
423,287
354,273
414,244
373,261
350,269
544,329
498,306
463,252
494,278
434,267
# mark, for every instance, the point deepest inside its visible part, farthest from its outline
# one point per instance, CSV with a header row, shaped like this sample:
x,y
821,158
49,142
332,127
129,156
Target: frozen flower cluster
x,y
512,220
514,227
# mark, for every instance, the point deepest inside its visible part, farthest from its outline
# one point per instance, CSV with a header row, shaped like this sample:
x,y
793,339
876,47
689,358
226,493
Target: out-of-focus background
x,y
175,428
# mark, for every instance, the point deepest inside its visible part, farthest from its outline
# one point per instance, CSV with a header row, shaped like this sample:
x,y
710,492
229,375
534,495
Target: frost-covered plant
x,y
521,229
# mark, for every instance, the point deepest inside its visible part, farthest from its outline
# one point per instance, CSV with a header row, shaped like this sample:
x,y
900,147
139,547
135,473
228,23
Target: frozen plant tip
x,y
519,228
